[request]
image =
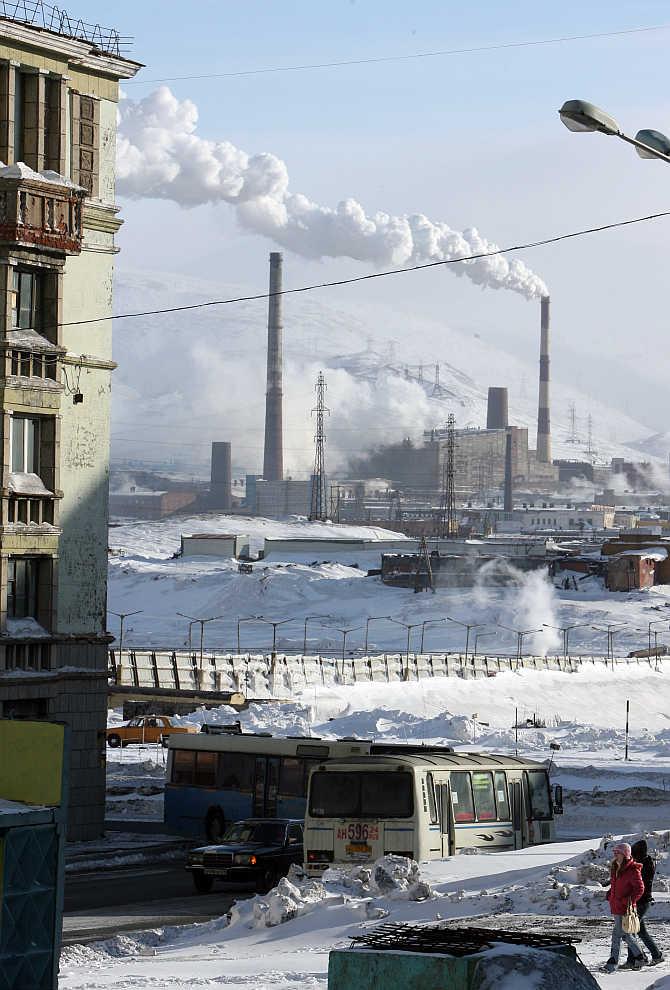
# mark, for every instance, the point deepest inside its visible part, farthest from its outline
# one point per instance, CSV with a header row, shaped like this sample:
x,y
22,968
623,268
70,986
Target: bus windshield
x,y
361,795
538,794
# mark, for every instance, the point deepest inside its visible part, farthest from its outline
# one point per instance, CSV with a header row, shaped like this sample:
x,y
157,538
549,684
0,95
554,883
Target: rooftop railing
x,y
36,13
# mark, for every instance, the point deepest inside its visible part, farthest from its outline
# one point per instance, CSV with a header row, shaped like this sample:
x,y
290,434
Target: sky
x,y
472,140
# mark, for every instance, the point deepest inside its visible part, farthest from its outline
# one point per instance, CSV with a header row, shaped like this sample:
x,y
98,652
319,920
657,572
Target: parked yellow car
x,y
145,729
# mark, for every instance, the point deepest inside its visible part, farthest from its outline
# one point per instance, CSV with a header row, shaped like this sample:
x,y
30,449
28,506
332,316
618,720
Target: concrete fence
x,y
279,675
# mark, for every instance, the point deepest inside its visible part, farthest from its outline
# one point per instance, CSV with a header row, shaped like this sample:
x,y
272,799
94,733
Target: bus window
x,y
292,777
502,800
432,804
361,795
461,797
538,794
485,803
236,772
205,769
183,767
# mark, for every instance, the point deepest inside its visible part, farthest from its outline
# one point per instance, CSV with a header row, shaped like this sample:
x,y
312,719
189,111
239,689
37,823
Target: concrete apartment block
x,y
58,110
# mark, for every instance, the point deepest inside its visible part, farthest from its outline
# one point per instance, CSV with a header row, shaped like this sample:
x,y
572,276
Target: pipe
x,y
273,460
543,414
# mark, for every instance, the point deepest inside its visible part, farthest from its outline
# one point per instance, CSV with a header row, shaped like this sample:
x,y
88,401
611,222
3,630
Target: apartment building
x,y
59,89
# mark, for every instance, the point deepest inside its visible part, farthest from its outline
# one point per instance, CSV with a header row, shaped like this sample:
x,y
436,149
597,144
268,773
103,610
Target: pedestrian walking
x,y
641,855
626,889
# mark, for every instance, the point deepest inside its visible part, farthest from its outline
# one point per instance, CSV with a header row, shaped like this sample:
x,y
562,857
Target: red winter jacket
x,y
627,886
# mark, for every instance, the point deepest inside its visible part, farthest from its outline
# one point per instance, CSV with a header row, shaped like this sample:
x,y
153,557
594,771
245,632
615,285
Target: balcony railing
x,y
37,212
30,511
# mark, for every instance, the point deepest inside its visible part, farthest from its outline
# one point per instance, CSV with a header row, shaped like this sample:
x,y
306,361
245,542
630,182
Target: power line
x,y
369,277
448,52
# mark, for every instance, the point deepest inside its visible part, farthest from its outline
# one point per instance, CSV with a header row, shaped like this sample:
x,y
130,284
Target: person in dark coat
x,y
641,855
626,887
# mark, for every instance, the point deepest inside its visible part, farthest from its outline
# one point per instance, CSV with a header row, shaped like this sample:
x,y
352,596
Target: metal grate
x,y
36,13
452,941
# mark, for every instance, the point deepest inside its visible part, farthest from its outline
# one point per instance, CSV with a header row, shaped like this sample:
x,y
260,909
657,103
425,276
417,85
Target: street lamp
x,y
611,630
271,622
373,618
423,629
345,633
122,616
481,635
467,626
654,622
578,115
566,633
202,623
520,634
248,618
309,618
408,626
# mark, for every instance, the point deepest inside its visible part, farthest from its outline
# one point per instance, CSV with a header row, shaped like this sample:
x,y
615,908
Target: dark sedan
x,y
258,851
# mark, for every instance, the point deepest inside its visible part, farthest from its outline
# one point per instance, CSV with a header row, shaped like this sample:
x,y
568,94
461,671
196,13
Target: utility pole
x,y
589,442
318,507
572,438
437,388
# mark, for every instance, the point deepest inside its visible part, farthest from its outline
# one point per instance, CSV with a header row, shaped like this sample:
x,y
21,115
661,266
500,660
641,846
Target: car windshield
x,y
266,833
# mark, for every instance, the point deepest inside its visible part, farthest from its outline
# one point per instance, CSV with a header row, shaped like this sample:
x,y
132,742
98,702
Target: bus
x,y
425,805
216,778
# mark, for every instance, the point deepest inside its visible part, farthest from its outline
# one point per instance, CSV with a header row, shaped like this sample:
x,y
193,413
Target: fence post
x,y
133,669
154,669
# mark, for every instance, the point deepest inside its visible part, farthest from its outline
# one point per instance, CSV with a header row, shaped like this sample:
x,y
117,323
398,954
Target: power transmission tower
x,y
319,507
572,438
447,519
436,386
420,377
589,442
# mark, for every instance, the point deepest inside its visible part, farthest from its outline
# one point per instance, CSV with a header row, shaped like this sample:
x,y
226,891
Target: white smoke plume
x,y
160,155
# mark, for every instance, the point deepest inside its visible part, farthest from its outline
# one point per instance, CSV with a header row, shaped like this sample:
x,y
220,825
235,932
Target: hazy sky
x,y
473,140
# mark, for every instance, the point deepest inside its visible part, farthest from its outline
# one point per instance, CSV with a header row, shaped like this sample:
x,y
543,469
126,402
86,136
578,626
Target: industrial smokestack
x,y
508,503
273,461
543,417
496,410
220,487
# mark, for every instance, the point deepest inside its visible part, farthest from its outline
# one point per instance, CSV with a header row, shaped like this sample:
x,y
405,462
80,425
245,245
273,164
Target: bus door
x,y
446,818
266,785
516,806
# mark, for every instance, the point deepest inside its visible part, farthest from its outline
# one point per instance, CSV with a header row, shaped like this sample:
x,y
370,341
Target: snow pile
x,y
510,967
363,891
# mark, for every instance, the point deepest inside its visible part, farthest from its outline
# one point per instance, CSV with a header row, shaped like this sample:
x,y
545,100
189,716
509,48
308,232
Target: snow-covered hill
x,y
185,379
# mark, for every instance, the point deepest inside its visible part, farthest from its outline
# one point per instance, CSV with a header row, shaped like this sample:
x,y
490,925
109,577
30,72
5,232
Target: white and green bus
x,y
425,805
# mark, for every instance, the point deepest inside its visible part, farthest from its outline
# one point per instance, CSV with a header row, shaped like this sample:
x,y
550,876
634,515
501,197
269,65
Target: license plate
x,y
358,832
218,873
359,850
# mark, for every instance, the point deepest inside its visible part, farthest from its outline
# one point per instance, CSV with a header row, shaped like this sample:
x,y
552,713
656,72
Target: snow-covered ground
x,y
144,574
283,939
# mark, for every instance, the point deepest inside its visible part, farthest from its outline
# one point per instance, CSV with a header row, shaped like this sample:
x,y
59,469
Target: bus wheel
x,y
203,884
113,741
215,825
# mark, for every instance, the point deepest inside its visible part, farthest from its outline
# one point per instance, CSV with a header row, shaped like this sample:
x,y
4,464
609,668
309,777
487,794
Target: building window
x,y
22,581
25,445
25,300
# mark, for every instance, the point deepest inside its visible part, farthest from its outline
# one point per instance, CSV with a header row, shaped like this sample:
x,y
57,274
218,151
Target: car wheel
x,y
267,880
215,825
203,884
114,741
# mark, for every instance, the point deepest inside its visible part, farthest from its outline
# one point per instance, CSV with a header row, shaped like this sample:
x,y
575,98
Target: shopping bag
x,y
631,921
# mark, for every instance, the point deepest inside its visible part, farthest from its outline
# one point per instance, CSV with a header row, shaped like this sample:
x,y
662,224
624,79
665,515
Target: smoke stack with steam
x,y
508,504
543,417
496,410
273,461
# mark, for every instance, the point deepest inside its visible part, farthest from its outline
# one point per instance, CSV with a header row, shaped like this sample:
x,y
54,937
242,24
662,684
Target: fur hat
x,y
623,849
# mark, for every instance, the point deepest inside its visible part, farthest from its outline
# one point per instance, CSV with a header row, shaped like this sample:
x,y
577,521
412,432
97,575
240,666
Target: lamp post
x,y
345,633
478,636
122,616
578,115
427,622
310,618
612,629
408,626
274,624
654,622
202,623
566,633
520,634
373,618
248,618
467,626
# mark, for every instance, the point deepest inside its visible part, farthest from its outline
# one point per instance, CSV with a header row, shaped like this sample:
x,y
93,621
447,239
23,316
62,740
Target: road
x,y
100,904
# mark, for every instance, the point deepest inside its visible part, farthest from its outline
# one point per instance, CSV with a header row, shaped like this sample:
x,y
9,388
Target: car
x,y
256,850
145,729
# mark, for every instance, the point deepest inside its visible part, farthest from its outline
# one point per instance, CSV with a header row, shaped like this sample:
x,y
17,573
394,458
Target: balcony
x,y
40,209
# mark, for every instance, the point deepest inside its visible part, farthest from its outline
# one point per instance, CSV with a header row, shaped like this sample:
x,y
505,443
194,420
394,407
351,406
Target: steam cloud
x,y
161,156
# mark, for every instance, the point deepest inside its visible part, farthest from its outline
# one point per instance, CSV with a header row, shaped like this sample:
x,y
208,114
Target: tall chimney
x,y
273,461
496,409
220,488
508,504
543,417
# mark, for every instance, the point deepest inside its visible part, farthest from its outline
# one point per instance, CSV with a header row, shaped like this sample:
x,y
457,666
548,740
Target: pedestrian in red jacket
x,y
626,887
